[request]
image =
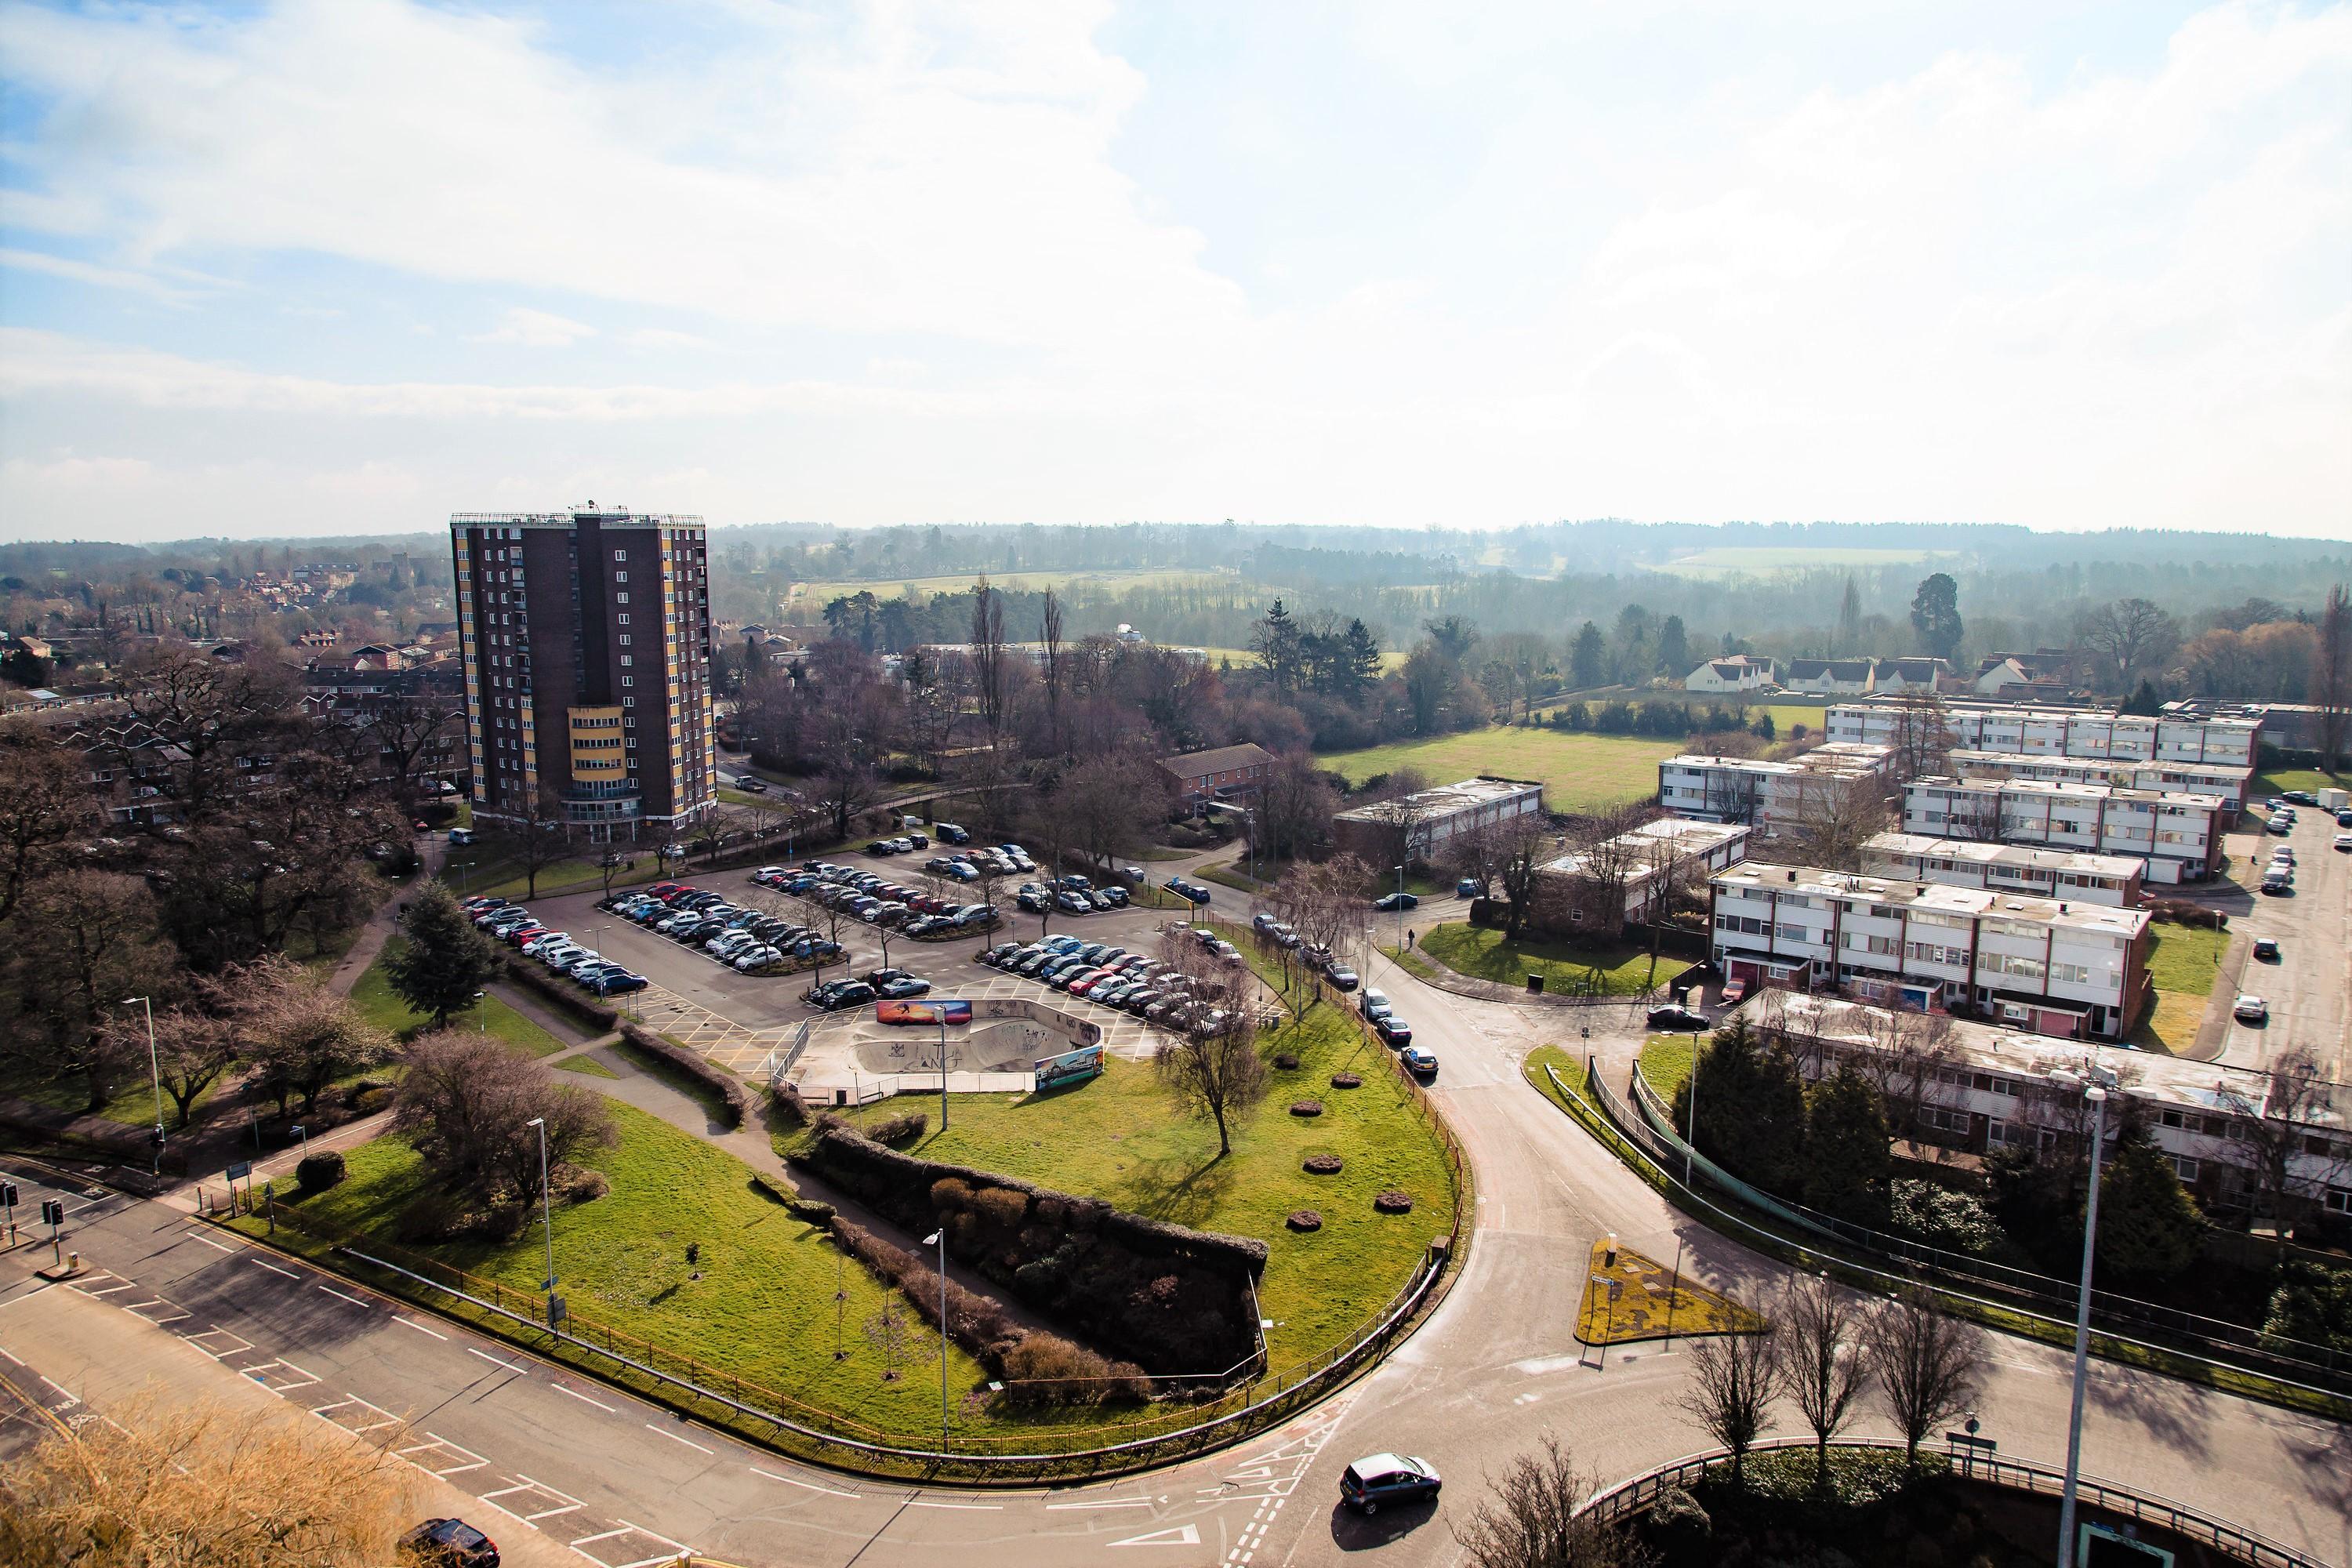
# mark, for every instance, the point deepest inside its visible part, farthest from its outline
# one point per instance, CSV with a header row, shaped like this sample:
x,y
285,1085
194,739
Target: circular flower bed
x,y
1307,1108
1287,1061
1305,1219
1324,1164
1346,1080
1394,1202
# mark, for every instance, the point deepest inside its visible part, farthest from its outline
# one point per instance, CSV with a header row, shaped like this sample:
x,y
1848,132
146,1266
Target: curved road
x,y
1493,1370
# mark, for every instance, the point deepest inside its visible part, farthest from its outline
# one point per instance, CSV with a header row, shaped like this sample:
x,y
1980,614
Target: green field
x,y
2265,785
808,600
764,1308
2186,959
1765,560
1568,970
1580,772
1119,1138
373,998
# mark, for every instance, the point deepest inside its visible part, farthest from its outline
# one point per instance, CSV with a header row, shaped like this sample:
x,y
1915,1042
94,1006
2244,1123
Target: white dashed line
x,y
795,1481
505,1365
676,1439
969,1507
208,1241
4,1351
1122,1503
609,1410
420,1327
274,1269
354,1300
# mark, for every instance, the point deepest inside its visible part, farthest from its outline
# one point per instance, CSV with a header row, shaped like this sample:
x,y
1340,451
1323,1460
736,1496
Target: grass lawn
x,y
1561,1060
808,600
1392,659
1580,772
374,999
587,1064
2265,785
1652,1302
2170,1026
764,1308
1666,1063
133,1107
1486,954
2185,958
1118,1137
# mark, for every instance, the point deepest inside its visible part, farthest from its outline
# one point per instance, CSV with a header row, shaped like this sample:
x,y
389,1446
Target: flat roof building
x,y
1417,826
2177,836
585,636
2111,879
2062,732
1773,795
2231,782
2058,966
1624,881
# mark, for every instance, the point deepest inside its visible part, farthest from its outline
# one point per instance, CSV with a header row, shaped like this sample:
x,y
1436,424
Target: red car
x,y
524,932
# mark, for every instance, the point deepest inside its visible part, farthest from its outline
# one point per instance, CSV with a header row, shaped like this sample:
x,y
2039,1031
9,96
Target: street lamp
x,y
461,867
154,1077
1400,871
2097,1096
940,1236
303,1133
546,1208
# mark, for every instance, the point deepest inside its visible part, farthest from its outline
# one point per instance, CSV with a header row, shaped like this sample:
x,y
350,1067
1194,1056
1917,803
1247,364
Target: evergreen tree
x,y
1588,657
1275,640
445,961
1935,616
1674,649
2149,1229
1846,1162
1751,1108
1849,637
2145,702
1360,662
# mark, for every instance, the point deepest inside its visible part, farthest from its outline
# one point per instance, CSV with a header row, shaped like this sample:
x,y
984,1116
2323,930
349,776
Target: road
x,y
2309,989
1493,1370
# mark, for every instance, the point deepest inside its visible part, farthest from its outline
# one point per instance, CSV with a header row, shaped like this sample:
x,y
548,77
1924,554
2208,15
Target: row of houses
x,y
2230,785
2177,836
2228,1131
1774,796
2232,742
1742,673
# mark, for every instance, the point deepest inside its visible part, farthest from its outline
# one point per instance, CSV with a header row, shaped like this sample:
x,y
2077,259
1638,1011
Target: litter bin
x,y
1534,985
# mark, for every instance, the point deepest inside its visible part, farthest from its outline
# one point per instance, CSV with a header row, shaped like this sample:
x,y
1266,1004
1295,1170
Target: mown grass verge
x,y
1484,953
372,996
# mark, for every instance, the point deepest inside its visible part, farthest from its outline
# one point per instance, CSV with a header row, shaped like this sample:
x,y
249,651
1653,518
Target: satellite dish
x,y
1124,629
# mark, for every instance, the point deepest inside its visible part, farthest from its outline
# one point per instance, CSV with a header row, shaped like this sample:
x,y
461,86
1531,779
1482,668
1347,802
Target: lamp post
x,y
2097,1096
546,1208
154,1077
1400,871
461,867
1690,1143
940,1236
303,1133
943,1066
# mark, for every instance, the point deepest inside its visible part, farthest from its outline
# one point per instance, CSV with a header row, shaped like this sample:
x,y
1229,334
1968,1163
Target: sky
x,y
350,266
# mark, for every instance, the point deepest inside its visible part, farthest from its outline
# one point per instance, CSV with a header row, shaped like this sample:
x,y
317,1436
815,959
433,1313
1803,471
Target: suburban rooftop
x,y
1935,898
2004,854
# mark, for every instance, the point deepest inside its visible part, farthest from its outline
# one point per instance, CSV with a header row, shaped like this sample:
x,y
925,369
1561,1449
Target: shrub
x,y
580,1184
1393,1201
1304,1219
1939,1217
810,1210
693,1065
1346,1080
904,1128
1286,1060
787,1104
1045,1370
367,1099
1307,1108
974,1322
1001,1205
318,1171
353,1093
952,1194
1325,1164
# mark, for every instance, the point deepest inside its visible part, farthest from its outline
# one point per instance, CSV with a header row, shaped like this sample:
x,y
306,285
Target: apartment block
x,y
586,640
2231,784
2064,732
1622,882
2177,836
1417,826
1772,795
2053,965
1983,1088
2111,879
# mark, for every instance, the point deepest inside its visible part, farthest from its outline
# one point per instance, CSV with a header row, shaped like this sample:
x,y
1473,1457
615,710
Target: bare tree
x,y
540,838
194,1047
196,1483
1295,805
1908,1046
1733,1379
1608,859
467,1104
1836,815
1050,638
1922,736
2331,676
2134,636
1212,1071
2273,1129
1526,846
1822,1364
1401,810
1533,1517
988,656
845,789
1927,1364
46,806
300,1033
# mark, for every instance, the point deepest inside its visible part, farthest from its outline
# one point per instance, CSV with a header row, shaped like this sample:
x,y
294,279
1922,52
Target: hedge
x,y
693,1065
531,977
1172,1299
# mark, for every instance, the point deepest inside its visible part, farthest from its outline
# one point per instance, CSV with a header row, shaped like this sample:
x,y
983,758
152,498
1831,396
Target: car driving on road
x,y
1378,1480
2251,1010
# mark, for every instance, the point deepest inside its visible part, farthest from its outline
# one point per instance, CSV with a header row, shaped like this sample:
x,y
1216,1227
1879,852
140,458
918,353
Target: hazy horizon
x,y
296,271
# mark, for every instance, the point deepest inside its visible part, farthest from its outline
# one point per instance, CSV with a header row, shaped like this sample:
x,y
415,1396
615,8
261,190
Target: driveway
x,y
2310,985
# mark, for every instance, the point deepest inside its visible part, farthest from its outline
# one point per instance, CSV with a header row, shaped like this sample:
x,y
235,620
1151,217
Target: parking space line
x,y
795,1481
968,1507
71,1397
216,1332
208,1241
436,1440
389,1418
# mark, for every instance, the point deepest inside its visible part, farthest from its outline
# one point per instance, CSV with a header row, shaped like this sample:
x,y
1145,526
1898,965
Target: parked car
x,y
1392,902
449,1543
1419,1062
460,836
1193,892
951,834
1677,1018
759,955
1385,1479
2249,1009
834,995
2301,797
2344,841
882,847
1073,903
1344,978
903,985
1393,1031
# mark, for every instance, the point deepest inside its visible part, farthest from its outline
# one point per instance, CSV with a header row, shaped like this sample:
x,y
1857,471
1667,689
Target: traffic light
x,y
7,1194
53,1212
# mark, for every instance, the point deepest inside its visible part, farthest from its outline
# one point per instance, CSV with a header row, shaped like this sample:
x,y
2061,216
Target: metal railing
x,y
1630,1497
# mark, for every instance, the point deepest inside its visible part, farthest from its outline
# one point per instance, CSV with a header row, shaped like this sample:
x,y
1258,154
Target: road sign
x,y
242,1168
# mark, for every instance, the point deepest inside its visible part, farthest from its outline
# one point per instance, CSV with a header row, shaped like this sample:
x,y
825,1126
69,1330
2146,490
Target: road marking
x,y
275,1269
420,1327
279,1385
436,1441
4,1351
111,1289
389,1418
242,1345
1178,1535
583,1399
354,1300
795,1481
676,1439
71,1397
208,1241
968,1507
1122,1503
508,1365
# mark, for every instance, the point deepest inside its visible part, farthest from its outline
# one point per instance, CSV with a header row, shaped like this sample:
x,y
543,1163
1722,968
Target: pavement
x,y
1494,1369
2309,989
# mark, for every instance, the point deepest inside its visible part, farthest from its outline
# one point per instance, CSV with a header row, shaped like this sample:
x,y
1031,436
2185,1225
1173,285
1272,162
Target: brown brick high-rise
x,y
586,636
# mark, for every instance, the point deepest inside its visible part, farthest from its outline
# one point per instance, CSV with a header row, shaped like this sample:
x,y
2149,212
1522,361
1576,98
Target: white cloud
x,y
535,329
96,276
664,338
